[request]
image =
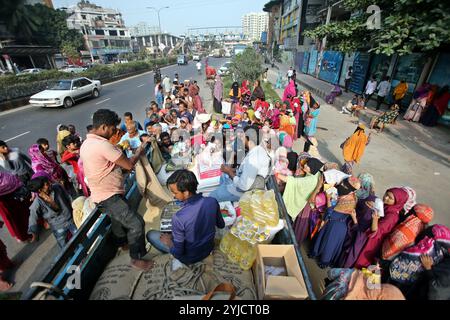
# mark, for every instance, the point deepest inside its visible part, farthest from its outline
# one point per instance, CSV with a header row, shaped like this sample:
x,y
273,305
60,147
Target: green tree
x,y
406,26
54,32
69,51
19,18
247,66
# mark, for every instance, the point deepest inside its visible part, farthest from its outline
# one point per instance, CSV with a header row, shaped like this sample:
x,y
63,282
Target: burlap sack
x,y
155,196
119,281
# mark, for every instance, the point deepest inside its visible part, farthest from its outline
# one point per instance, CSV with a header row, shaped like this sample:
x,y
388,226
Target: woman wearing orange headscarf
x,y
353,148
286,126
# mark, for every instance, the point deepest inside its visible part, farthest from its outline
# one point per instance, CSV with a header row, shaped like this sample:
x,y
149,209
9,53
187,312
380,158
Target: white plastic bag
x,y
227,205
226,107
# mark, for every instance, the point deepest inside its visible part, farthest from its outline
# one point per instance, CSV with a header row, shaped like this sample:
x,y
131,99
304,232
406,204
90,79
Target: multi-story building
x,y
143,29
104,30
48,3
254,24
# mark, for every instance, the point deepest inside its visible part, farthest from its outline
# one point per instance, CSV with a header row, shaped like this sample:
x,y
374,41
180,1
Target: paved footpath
x,y
405,154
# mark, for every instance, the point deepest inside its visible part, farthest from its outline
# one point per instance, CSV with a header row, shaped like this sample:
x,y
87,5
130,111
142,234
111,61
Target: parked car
x,y
66,92
225,69
30,71
196,57
73,69
182,59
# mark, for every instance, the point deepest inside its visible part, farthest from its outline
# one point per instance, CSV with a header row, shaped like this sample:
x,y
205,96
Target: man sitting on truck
x,y
252,172
103,164
193,226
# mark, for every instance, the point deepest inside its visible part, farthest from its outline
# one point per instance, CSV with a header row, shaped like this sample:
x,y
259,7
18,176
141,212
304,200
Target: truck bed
x,y
92,251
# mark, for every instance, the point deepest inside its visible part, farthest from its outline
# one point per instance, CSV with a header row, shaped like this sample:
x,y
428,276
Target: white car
x,y
30,71
225,69
66,92
73,69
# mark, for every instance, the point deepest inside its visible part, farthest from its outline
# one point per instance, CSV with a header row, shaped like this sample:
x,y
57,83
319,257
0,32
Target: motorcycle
x,y
157,76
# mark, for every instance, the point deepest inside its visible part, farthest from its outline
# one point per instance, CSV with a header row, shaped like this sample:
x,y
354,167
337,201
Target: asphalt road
x,y
134,94
23,127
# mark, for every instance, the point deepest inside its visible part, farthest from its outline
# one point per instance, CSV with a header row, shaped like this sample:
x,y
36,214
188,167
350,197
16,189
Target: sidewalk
x,y
432,140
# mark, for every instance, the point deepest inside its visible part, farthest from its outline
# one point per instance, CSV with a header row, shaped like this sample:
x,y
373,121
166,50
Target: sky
x,y
182,14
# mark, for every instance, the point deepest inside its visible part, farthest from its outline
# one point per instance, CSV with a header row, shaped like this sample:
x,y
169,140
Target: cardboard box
x,y
289,285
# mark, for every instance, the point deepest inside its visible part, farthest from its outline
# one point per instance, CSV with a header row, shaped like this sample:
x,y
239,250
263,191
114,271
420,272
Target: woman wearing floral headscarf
x,y
357,233
328,244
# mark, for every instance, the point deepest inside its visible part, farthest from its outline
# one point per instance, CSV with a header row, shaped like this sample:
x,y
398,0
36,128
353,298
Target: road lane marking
x,y
103,101
141,85
18,136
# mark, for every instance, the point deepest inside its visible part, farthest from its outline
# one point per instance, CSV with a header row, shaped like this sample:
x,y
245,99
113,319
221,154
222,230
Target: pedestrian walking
x,y
290,73
353,148
218,94
371,86
348,78
103,164
399,92
383,90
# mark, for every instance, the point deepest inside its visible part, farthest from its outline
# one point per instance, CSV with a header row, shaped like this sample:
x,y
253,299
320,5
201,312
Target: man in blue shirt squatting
x,y
193,226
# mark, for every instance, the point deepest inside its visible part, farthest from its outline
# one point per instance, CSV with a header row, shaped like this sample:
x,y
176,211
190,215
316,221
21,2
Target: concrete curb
x,y
16,103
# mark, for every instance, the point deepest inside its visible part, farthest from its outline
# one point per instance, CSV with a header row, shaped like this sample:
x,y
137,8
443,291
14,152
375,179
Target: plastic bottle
x,y
248,257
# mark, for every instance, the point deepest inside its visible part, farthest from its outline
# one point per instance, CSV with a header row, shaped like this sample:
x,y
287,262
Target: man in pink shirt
x,y
103,164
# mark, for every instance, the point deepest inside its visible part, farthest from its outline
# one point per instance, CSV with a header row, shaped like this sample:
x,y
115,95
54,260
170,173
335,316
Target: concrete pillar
x,y
143,42
167,41
433,66
390,72
151,41
32,62
171,42
427,68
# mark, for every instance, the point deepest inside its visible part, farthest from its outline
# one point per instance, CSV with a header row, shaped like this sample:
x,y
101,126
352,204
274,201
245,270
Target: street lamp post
x,y
159,19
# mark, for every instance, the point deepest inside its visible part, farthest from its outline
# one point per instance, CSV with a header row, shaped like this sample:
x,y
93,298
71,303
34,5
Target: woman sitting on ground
x,y
388,117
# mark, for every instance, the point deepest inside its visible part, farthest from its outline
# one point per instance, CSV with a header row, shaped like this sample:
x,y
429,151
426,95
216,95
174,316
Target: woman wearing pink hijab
x,y
289,92
395,200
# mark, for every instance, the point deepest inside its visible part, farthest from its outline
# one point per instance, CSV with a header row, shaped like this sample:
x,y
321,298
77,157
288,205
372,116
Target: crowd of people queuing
x,y
428,104
338,214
